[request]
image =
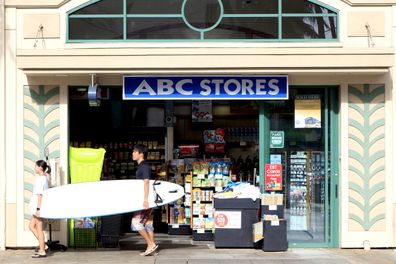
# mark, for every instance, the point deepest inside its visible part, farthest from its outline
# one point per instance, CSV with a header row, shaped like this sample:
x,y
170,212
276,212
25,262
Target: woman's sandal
x,y
37,249
39,255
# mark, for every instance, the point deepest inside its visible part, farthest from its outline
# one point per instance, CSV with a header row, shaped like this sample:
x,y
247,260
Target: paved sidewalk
x,y
184,251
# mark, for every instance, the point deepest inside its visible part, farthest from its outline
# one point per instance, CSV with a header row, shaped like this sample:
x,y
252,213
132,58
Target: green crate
x,y
85,238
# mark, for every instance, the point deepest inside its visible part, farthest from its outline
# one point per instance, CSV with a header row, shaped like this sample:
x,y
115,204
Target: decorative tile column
x,y
366,192
41,119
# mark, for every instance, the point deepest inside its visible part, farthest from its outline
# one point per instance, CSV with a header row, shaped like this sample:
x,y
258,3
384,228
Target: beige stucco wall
x,y
2,131
49,61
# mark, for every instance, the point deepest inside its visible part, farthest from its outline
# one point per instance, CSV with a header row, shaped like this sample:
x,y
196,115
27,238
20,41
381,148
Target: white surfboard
x,y
91,199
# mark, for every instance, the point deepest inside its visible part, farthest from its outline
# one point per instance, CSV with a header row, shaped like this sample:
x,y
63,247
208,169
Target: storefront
x,y
330,131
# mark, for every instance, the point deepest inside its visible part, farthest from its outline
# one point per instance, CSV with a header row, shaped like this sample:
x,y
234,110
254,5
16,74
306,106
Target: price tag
x,y
272,207
175,226
219,189
274,223
218,176
201,176
201,231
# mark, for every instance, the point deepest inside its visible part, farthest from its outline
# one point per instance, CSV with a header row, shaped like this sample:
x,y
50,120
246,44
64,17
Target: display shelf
x,y
118,162
207,179
299,200
179,212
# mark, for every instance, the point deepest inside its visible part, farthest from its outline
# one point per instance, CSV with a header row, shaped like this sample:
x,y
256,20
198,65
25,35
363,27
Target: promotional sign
x,y
275,158
277,139
201,111
273,177
271,87
307,111
228,219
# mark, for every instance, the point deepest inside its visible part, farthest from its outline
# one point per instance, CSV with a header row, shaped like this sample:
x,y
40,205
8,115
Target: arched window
x,y
202,20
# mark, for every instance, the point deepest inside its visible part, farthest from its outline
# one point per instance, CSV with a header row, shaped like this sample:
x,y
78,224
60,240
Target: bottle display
x,y
207,179
179,212
118,162
298,190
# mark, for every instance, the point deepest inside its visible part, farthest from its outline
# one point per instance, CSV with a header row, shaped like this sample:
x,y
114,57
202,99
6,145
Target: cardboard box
x,y
258,233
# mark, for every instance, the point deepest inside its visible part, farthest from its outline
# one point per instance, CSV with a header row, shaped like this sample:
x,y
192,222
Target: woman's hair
x,y
42,164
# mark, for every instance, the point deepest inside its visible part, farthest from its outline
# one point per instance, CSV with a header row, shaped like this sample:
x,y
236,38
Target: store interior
x,y
187,136
116,125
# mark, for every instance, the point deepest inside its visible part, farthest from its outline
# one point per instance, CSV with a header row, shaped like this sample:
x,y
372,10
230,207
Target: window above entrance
x,y
202,21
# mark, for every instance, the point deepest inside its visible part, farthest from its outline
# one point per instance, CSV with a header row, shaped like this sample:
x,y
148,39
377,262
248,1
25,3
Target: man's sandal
x,y
149,251
39,255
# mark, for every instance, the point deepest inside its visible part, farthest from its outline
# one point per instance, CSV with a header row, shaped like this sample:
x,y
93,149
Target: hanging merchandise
x,y
214,140
202,111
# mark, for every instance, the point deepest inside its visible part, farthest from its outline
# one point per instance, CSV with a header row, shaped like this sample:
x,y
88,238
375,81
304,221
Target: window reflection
x,y
309,28
159,28
96,28
303,7
233,19
250,6
102,7
202,14
245,28
154,6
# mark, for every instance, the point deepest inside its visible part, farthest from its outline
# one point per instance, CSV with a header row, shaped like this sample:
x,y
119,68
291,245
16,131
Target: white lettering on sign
x,y
247,87
208,87
217,86
274,88
144,87
273,171
165,87
179,87
232,83
260,87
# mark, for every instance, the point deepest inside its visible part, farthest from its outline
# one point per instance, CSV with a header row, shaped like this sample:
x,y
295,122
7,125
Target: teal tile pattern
x,y
366,154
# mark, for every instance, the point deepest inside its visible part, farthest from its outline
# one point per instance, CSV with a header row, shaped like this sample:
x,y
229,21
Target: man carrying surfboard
x,y
142,221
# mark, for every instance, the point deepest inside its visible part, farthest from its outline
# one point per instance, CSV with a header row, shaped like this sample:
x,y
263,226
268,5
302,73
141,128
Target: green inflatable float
x,y
85,165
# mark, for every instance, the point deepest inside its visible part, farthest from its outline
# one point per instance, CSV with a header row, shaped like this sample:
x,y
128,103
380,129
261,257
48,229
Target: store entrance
x,y
178,135
304,139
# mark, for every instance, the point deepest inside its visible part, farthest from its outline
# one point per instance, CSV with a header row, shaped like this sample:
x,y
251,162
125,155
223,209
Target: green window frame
x,y
287,21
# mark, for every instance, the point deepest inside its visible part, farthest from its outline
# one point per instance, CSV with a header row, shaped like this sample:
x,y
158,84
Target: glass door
x,y
303,136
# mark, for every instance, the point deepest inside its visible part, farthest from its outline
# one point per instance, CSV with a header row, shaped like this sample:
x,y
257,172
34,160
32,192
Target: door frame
x,y
332,107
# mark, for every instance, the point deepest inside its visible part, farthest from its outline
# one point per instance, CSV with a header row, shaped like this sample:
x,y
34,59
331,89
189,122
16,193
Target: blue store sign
x,y
267,87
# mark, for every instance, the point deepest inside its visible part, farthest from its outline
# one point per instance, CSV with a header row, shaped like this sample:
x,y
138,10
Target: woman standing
x,y
36,223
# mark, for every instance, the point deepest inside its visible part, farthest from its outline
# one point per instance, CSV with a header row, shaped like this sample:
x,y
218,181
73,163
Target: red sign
x,y
221,220
273,177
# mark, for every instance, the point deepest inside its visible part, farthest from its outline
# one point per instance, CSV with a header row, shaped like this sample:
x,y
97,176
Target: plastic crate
x,y
85,238
109,241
